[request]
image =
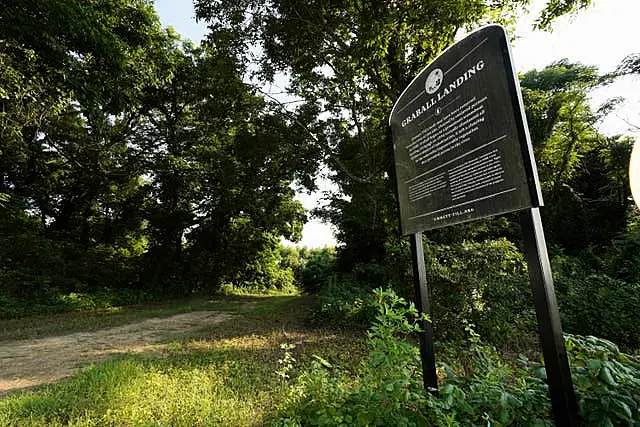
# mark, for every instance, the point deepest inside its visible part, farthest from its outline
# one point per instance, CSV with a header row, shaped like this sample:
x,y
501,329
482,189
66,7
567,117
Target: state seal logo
x,y
434,80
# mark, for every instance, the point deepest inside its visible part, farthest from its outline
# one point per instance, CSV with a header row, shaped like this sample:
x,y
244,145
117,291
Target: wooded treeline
x,y
134,161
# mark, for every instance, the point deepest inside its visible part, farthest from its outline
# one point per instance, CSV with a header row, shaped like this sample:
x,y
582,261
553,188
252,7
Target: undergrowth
x,y
480,388
267,367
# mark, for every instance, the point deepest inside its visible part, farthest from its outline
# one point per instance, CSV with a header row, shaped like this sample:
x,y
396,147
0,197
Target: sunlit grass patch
x,y
186,388
224,376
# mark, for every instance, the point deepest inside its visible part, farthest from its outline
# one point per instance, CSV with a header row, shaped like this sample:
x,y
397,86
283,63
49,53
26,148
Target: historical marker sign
x,y
462,152
461,147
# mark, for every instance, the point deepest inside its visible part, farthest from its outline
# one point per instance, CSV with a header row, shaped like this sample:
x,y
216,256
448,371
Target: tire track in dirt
x,y
27,363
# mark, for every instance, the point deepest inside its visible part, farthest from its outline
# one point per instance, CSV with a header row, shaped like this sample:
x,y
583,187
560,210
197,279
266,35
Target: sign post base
x,y
422,297
556,363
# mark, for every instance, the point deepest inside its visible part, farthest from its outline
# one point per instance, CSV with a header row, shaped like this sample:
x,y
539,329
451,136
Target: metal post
x,y
422,296
563,400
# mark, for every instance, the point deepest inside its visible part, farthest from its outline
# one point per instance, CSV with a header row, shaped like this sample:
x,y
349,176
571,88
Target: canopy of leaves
x,y
352,59
132,159
583,172
557,8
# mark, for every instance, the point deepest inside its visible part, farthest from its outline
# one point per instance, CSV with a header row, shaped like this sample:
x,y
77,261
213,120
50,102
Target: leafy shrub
x,y
491,393
344,297
385,392
622,259
484,283
290,259
344,303
318,267
29,263
375,275
607,381
43,273
53,300
478,388
596,304
264,273
388,390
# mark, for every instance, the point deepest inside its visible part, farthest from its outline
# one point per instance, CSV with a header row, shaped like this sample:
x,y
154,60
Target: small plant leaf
x,y
605,375
323,362
622,410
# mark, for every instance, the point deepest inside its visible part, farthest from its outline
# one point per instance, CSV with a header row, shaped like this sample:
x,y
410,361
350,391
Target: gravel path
x,y
27,363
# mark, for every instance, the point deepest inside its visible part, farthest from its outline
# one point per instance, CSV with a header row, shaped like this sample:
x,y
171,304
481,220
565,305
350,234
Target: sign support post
x,y
563,400
422,299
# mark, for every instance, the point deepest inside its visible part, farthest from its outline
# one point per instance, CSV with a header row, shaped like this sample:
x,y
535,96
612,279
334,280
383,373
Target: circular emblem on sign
x,y
434,80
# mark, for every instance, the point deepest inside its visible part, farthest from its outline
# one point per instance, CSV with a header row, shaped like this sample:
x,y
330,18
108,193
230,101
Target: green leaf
x,y
323,361
622,410
605,375
540,372
605,422
594,364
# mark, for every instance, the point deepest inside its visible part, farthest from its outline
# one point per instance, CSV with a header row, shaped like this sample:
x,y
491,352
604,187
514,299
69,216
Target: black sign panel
x,y
461,145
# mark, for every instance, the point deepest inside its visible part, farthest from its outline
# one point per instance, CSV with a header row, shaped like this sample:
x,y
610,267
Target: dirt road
x,y
26,363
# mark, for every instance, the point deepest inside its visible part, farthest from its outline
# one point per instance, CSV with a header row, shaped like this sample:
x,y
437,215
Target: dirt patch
x,y
27,363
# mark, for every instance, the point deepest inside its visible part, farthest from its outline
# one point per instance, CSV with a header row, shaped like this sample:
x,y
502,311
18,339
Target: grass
x,y
201,388
226,376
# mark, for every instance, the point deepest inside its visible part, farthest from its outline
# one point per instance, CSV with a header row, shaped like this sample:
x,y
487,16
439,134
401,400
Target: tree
x,y
219,164
71,87
137,160
556,8
581,171
71,90
353,59
629,65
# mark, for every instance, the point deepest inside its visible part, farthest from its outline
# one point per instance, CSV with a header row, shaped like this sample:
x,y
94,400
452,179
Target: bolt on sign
x,y
460,144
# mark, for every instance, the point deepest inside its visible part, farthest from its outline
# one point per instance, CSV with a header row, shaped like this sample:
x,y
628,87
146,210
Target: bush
x,y
344,303
484,283
41,272
265,272
56,301
388,389
319,265
596,304
602,306
622,260
480,389
384,393
344,298
607,382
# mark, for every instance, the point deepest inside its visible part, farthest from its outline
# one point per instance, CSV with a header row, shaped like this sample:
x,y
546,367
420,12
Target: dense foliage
x,y
478,388
132,160
354,59
134,165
